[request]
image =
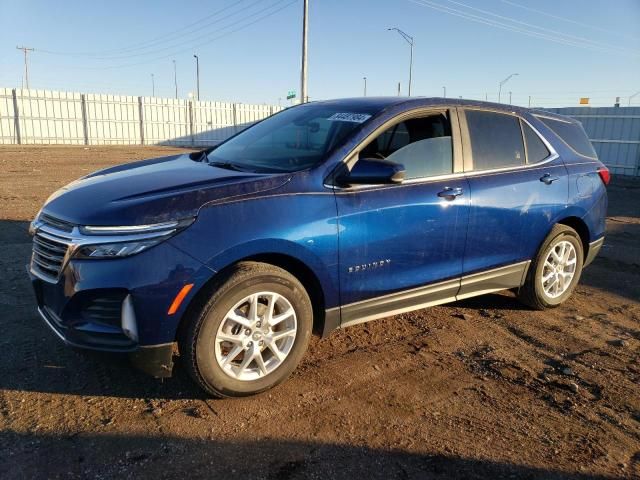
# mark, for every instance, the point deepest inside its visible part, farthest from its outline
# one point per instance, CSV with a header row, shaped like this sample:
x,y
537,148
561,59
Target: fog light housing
x,y
128,319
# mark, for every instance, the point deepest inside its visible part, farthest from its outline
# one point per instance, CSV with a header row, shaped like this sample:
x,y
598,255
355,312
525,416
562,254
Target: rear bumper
x,y
594,249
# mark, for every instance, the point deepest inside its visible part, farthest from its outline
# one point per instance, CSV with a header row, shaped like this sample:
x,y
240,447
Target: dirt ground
x,y
483,388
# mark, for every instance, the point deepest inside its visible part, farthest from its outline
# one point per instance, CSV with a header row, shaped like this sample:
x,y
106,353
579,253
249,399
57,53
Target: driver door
x,y
402,245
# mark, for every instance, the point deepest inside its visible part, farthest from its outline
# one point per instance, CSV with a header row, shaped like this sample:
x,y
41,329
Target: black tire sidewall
x,y
211,373
567,235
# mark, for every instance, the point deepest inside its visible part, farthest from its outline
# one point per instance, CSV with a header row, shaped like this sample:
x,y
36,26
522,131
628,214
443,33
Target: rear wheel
x,y
252,332
556,270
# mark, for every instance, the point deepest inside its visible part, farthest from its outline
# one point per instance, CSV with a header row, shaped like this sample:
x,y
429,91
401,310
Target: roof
x,y
381,103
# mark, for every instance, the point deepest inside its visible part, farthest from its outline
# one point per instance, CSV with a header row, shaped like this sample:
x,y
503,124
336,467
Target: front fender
x,y
302,226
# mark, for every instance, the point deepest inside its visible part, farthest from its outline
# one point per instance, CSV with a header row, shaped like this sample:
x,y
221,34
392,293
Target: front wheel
x,y
252,332
556,270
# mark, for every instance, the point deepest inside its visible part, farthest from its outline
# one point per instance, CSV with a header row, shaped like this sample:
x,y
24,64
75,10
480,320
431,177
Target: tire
x,y
540,297
215,363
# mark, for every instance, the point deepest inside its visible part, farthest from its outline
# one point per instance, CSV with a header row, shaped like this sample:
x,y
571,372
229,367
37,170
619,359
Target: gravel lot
x,y
483,388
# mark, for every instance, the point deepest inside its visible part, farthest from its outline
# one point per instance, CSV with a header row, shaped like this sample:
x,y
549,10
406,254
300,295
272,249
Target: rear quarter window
x,y
573,135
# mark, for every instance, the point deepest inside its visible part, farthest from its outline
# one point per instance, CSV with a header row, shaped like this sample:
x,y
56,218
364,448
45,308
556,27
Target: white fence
x,y
70,118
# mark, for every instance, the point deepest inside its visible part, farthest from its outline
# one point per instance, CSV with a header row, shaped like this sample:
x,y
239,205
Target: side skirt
x,y
502,278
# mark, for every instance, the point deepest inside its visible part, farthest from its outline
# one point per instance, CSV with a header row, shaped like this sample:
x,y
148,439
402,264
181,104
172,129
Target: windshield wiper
x,y
228,166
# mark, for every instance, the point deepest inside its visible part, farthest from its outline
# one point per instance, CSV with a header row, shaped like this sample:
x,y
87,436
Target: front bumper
x,y
154,360
121,305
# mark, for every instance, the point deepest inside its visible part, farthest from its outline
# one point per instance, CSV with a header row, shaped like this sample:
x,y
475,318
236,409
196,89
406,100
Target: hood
x,y
152,191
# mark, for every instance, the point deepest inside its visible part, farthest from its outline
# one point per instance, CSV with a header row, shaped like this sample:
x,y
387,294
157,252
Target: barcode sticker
x,y
349,117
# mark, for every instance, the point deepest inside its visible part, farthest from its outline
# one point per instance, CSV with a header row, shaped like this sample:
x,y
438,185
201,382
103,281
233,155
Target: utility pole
x,y
175,78
26,51
502,83
486,97
153,86
529,101
398,88
305,32
365,86
197,76
409,39
444,92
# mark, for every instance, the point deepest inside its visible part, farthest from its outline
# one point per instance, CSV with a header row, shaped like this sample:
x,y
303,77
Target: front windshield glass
x,y
295,139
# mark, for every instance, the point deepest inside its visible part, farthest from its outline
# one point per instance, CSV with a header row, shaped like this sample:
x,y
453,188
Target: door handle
x,y
450,193
547,179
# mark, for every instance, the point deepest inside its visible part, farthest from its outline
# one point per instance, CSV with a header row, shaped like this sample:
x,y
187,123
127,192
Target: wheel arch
x,y
299,269
581,228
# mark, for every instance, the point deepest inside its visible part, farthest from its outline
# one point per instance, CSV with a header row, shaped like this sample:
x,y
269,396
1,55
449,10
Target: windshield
x,y
292,140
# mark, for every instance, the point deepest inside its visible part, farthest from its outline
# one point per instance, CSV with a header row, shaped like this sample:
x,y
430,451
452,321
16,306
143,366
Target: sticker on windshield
x,y
350,117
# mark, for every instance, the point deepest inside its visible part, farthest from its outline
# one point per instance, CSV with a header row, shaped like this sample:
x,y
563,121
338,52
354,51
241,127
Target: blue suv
x,y
325,215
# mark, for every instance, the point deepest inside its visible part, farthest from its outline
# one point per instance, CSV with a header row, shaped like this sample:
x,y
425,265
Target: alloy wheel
x,y
256,336
559,269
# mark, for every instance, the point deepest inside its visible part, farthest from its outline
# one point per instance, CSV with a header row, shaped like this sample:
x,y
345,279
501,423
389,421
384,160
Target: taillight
x,y
605,176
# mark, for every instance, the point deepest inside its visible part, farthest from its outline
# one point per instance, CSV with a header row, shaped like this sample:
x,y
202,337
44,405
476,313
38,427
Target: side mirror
x,y
371,171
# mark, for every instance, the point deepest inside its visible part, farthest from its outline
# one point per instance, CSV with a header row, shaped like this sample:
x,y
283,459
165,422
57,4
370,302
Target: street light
x,y
175,78
197,76
631,97
510,98
444,92
153,86
409,39
365,85
502,83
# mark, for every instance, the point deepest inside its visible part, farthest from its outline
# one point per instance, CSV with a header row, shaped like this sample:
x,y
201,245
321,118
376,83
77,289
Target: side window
x,y
423,145
496,140
573,135
536,149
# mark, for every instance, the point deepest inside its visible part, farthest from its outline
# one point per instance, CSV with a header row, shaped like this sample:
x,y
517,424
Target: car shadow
x,y
107,455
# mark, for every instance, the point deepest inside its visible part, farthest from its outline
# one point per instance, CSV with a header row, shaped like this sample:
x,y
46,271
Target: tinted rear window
x,y
536,149
573,134
496,140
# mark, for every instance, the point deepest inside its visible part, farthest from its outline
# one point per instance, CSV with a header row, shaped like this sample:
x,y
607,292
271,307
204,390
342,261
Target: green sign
x,y
291,94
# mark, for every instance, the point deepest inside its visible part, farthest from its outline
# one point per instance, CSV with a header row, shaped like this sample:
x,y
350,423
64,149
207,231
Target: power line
x,y
207,42
555,32
194,46
155,40
512,28
569,20
506,26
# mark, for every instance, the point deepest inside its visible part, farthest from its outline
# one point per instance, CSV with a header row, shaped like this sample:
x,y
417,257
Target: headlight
x,y
114,250
124,241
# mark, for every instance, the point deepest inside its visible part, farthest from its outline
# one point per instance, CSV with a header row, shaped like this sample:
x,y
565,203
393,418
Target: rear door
x,y
518,185
396,239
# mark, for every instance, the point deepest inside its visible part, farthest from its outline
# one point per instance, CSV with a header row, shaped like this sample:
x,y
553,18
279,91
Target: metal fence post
x,y
191,132
235,118
141,114
16,117
85,122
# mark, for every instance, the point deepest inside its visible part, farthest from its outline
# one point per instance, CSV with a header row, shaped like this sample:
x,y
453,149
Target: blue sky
x,y
579,48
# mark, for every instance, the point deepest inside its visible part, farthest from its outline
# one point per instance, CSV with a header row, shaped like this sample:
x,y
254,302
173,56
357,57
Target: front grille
x,y
56,223
48,255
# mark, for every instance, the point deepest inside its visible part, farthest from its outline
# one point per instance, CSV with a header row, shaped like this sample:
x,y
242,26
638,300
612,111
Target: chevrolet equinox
x,y
324,215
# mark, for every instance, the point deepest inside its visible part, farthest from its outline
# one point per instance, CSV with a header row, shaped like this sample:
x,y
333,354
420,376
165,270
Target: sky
x,y
250,50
